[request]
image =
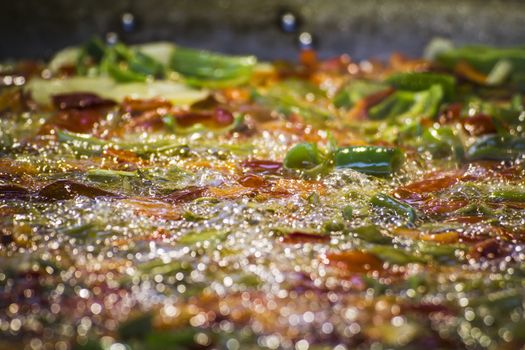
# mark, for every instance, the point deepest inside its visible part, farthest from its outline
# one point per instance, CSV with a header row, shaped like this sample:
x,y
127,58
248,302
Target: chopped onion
x,y
437,46
499,73
179,94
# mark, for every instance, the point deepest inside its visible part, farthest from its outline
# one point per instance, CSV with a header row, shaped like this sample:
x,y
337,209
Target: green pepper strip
x,y
205,68
417,81
302,156
371,160
508,194
400,208
494,147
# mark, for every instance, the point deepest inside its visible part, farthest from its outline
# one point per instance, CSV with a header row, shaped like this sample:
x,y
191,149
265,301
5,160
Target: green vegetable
x,y
423,81
303,156
357,90
201,236
203,68
494,147
333,226
124,74
347,212
179,339
442,141
107,174
508,193
371,234
484,58
136,328
126,65
296,97
119,61
170,122
443,253
407,105
371,160
400,208
395,256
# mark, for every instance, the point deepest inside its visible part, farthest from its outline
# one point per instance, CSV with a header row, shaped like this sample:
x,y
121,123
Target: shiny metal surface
x,y
32,28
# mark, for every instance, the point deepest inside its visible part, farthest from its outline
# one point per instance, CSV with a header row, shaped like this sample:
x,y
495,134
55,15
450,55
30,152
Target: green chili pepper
x,y
403,105
205,68
119,61
303,156
402,209
508,193
290,98
495,147
394,105
371,160
144,64
124,74
355,91
92,52
423,81
484,58
442,141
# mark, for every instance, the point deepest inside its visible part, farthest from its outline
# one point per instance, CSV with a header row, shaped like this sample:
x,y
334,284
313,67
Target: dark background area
x,y
37,28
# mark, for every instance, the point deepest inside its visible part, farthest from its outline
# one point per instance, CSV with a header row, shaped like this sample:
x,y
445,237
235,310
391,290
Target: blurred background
x,y
270,29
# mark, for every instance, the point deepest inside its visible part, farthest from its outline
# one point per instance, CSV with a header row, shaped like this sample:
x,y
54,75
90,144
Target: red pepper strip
x,y
355,261
479,124
488,249
76,120
140,105
185,195
432,185
262,165
80,100
302,237
252,180
442,206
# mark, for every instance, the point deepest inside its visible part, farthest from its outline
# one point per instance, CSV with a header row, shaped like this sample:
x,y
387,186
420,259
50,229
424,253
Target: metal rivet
x,y
305,40
128,22
288,22
112,38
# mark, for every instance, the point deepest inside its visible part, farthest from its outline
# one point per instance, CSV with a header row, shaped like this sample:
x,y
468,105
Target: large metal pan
x,y
35,28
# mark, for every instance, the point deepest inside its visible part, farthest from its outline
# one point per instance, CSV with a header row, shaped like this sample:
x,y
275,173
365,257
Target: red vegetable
x,y
79,100
140,105
479,124
489,249
432,185
355,261
185,195
302,237
450,114
252,180
262,165
77,120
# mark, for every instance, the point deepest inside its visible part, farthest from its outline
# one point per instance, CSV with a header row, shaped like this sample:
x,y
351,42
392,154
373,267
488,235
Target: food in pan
x,y
161,197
